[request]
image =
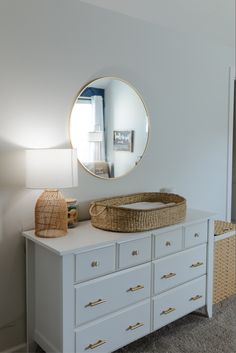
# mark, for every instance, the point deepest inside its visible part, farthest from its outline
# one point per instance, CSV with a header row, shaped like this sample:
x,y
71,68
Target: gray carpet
x,y
193,334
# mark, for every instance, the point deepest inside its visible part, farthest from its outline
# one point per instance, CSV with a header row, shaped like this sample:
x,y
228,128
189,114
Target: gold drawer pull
x,y
133,327
134,289
168,311
135,252
168,243
168,275
197,264
196,297
95,264
96,302
196,235
96,344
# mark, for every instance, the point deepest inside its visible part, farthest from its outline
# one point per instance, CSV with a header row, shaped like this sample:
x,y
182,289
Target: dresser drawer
x,y
134,252
104,295
168,242
108,334
94,263
195,234
179,268
179,301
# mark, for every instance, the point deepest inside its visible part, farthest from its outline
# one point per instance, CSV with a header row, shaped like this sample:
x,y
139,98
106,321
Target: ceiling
x,y
213,18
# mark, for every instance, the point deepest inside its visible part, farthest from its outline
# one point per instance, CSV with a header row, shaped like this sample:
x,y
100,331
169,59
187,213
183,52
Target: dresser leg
x,y
205,312
209,311
31,344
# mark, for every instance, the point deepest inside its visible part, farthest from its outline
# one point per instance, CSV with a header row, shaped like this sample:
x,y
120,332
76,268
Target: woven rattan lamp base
x,y
51,214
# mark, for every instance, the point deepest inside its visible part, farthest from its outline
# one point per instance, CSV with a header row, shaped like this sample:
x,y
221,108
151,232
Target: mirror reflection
x,y
109,127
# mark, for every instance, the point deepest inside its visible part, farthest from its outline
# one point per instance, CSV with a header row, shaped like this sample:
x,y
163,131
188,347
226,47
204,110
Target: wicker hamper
x,y
224,261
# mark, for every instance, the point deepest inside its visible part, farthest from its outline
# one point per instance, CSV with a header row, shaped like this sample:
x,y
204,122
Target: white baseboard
x,y
21,348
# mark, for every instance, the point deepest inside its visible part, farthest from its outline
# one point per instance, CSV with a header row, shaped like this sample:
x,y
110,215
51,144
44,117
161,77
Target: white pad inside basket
x,y
147,205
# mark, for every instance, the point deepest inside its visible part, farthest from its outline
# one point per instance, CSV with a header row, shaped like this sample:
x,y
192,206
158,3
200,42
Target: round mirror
x,y
109,127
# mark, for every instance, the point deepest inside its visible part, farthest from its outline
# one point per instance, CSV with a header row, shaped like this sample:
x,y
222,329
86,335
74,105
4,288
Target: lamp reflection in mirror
x,y
95,136
51,169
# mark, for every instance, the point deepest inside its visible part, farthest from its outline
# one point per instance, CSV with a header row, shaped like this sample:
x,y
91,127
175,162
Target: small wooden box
x,y
224,261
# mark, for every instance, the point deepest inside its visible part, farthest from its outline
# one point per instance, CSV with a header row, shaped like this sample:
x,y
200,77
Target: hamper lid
x,y
222,227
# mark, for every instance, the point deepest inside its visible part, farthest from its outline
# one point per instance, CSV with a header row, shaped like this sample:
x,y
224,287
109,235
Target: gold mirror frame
x,y
86,85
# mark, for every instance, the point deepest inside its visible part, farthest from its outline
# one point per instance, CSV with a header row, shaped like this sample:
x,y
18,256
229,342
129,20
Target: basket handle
x,y
96,214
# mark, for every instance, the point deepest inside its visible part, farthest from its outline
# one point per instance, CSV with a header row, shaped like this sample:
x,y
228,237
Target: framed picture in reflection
x,y
123,140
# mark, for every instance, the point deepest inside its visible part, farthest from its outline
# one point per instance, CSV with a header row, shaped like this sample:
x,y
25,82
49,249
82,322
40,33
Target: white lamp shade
x,y
51,168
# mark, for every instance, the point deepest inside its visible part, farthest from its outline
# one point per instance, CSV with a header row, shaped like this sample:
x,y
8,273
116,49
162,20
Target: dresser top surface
x,y
85,236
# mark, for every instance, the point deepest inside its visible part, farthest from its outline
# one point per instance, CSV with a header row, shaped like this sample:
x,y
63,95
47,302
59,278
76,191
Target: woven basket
x,y
224,262
108,214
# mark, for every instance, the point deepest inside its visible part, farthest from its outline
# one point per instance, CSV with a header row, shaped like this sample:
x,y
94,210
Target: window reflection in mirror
x,y
109,127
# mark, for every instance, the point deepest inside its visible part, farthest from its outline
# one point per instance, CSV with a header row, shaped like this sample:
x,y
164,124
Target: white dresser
x,y
96,291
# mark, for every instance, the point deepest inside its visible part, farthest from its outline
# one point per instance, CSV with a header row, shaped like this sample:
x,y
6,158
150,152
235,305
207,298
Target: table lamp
x,y
51,169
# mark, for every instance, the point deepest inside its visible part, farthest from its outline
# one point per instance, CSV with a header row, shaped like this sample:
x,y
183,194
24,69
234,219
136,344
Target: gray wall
x,y
49,49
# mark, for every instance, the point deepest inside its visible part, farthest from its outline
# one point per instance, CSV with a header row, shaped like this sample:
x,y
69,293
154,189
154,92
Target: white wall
x,y
49,49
